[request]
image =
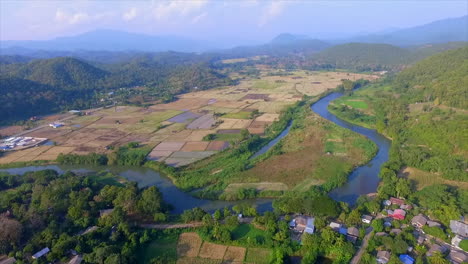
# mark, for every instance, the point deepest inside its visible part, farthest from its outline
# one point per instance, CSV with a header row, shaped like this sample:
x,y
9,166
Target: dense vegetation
x,y
44,209
426,133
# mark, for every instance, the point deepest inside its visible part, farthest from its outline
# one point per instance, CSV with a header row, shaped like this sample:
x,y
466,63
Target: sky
x,y
237,20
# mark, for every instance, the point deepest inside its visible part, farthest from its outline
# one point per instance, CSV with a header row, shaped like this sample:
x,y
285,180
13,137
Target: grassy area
x,y
109,179
245,232
239,115
423,179
164,246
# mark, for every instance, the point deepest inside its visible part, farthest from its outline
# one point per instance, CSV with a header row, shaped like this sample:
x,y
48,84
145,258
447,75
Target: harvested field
x,y
423,179
212,251
10,130
238,115
183,104
195,146
179,136
159,155
261,97
170,145
267,118
198,135
186,260
203,122
256,131
271,107
181,158
258,255
49,132
189,244
235,254
217,145
185,117
259,186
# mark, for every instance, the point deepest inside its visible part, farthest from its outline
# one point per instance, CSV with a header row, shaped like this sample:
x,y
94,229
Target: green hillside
x,y
67,73
423,109
442,78
364,57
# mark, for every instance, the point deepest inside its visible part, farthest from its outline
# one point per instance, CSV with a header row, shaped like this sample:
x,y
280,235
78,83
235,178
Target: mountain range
x,y
452,29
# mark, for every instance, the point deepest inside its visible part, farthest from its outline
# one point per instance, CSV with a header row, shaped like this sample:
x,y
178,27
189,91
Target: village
x,y
395,220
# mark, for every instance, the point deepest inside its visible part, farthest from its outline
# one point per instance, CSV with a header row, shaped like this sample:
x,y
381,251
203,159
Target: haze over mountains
x,y
452,29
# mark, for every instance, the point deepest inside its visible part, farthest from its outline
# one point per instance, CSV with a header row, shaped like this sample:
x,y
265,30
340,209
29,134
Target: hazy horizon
x,y
248,21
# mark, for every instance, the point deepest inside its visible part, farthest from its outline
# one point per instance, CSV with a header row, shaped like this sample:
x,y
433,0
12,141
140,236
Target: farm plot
x,y
234,254
203,122
186,260
195,146
181,158
185,117
217,145
258,255
170,146
212,251
189,245
267,118
198,135
183,104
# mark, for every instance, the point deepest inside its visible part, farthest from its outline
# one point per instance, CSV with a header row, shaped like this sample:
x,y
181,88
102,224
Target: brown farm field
x,y
180,126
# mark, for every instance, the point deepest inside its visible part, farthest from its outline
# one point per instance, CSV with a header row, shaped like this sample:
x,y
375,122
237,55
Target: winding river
x,y
362,180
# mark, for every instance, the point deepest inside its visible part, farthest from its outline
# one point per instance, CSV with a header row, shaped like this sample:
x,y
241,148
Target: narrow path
x,y
357,258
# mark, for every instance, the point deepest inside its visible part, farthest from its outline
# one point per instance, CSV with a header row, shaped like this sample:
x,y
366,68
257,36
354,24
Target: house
x,y
459,228
335,226
435,248
458,257
56,125
353,231
419,221
76,260
367,219
397,201
456,241
395,231
421,239
433,224
383,257
406,207
7,260
398,214
304,224
387,203
41,253
406,259
105,212
343,230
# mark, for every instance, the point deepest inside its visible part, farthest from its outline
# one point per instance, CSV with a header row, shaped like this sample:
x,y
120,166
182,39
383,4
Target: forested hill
x,y
364,56
48,85
441,78
66,73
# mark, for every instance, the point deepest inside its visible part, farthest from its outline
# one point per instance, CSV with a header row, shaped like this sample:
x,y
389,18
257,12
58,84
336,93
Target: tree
x,y
10,233
378,225
150,201
403,187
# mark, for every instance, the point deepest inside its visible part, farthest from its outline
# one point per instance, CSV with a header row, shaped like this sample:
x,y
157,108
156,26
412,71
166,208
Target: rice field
x,y
182,125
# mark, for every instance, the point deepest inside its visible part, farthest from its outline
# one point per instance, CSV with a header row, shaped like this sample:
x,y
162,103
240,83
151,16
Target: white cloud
x,y
130,14
71,18
199,17
273,10
167,9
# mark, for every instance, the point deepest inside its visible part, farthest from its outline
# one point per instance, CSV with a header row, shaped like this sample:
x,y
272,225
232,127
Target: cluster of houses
x,y
302,224
13,143
454,253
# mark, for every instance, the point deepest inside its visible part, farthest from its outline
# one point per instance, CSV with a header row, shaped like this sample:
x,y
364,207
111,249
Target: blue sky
x,y
239,21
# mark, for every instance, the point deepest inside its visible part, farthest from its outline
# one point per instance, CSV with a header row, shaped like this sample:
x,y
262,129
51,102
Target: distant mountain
x,y
446,30
283,44
111,40
61,72
287,38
